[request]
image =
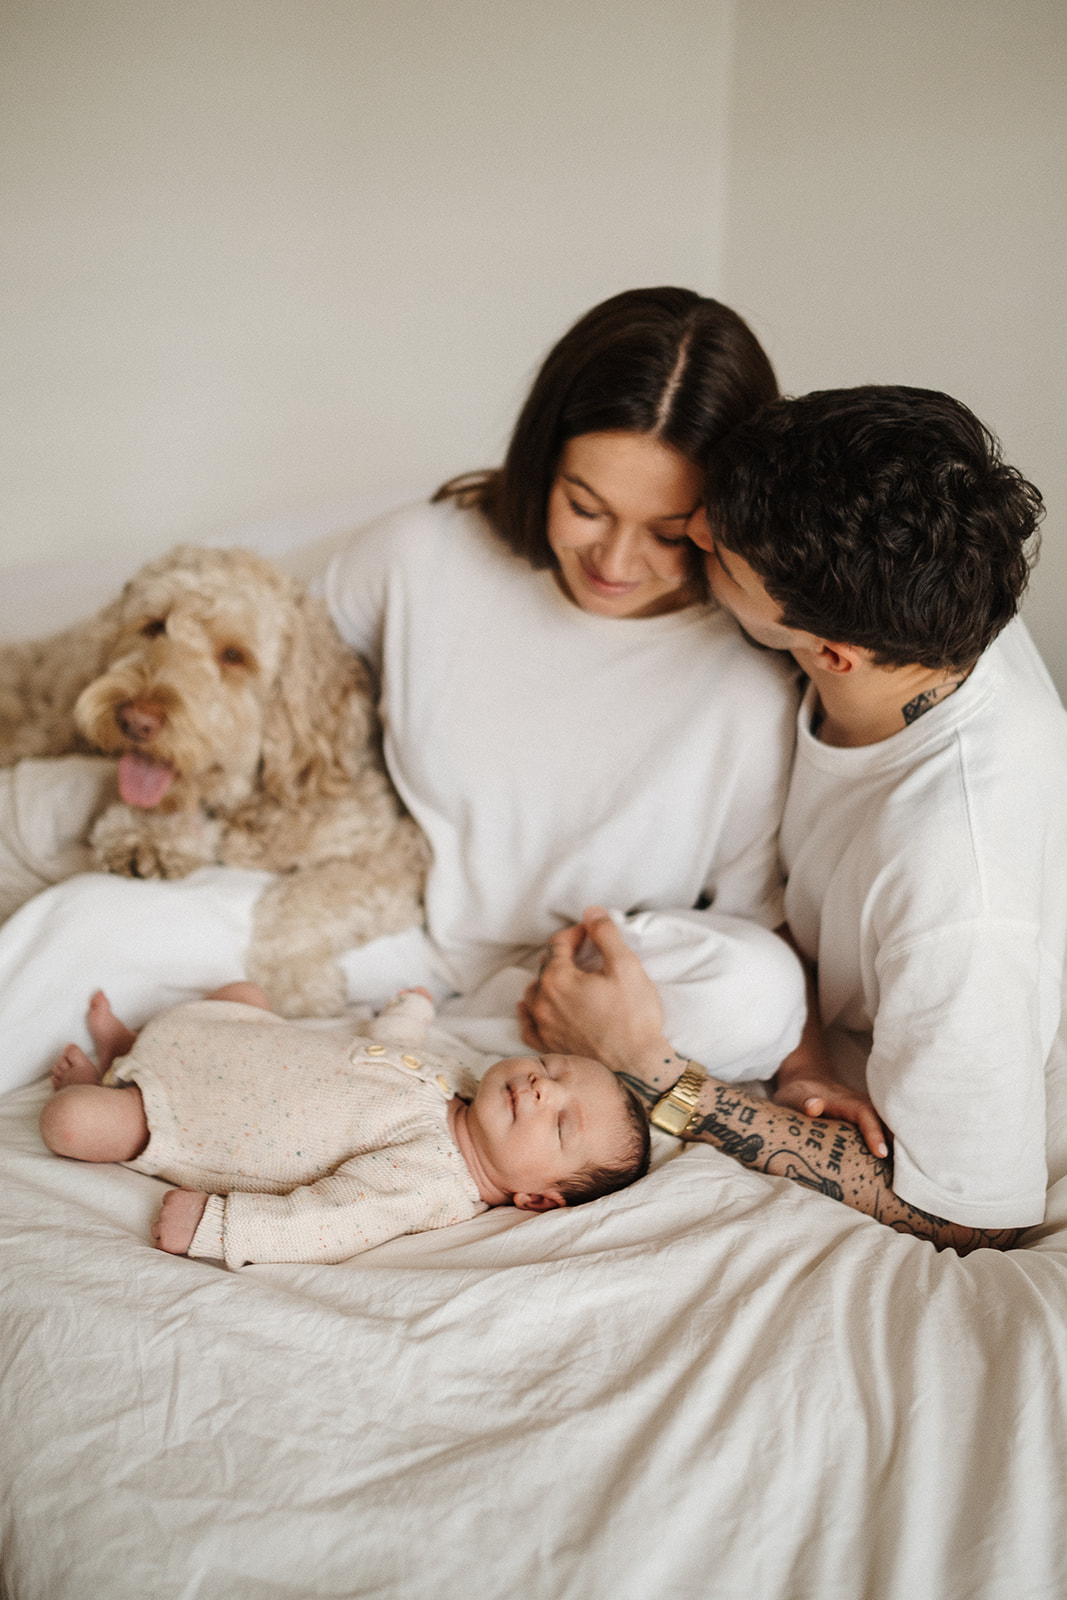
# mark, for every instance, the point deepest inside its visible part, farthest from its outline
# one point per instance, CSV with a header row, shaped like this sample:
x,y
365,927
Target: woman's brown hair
x,y
666,362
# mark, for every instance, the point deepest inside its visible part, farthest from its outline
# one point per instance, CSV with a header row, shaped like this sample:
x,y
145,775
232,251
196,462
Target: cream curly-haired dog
x,y
246,734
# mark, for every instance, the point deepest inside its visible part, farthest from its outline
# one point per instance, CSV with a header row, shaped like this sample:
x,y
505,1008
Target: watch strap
x,y
673,1112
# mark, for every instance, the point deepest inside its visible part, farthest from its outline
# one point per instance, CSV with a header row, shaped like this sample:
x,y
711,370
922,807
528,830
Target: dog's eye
x,y
231,656
154,628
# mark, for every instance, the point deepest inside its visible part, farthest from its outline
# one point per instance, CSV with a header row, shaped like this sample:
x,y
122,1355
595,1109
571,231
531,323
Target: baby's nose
x,y
545,1088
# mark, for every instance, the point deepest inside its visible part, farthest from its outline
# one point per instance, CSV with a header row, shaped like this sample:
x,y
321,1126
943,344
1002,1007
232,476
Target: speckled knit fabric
x,y
313,1147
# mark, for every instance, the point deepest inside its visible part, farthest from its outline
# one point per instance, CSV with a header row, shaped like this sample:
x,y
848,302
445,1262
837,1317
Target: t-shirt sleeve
x,y
405,1188
957,1070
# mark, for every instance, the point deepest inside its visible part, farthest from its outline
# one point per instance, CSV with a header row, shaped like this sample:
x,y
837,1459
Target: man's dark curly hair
x,y
880,516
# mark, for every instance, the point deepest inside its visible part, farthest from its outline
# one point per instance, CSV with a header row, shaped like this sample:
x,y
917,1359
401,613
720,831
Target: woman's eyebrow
x,y
580,483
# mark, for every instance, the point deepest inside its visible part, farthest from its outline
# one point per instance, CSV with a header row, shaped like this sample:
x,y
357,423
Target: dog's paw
x,y
139,844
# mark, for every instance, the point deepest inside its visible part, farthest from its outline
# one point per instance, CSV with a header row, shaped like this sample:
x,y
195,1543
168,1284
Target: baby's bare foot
x,y
111,1037
74,1066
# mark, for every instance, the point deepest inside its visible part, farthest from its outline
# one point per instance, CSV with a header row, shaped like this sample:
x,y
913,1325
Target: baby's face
x,y
537,1120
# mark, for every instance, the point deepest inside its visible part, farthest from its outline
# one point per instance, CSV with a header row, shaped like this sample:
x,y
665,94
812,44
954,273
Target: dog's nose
x,y
140,721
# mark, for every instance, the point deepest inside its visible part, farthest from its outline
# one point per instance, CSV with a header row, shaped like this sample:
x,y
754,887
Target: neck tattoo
x,y
931,697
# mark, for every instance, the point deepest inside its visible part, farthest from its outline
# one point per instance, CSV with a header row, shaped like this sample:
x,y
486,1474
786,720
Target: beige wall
x,y
897,214
263,255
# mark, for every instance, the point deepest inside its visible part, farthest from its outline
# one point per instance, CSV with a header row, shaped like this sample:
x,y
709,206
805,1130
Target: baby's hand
x,y
178,1220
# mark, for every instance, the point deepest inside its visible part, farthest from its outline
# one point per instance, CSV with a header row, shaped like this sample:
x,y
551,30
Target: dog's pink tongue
x,y
143,782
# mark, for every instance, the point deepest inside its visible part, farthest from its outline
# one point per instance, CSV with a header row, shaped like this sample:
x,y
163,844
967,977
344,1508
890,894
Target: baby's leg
x,y
91,1122
111,1037
74,1066
248,994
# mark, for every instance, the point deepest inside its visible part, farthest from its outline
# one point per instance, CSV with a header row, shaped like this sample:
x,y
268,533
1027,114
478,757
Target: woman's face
x,y
617,518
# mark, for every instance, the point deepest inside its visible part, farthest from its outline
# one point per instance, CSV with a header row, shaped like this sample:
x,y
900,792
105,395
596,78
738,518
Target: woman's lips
x,y
604,585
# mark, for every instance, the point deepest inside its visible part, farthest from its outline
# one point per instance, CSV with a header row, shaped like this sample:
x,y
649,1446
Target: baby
x,y
292,1144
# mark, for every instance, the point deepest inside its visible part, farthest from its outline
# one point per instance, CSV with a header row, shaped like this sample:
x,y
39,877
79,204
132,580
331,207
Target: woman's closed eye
x,y
583,511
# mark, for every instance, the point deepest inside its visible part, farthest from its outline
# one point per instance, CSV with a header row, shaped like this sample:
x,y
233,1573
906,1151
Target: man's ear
x,y
551,1201
839,659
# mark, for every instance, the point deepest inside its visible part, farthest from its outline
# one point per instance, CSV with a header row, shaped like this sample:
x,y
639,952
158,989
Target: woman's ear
x,y
550,1201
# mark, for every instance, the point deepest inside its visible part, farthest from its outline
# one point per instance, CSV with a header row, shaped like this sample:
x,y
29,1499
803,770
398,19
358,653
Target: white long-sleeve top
x,y
556,758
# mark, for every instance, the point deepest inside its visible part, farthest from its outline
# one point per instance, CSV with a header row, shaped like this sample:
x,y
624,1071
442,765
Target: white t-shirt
x,y
553,757
927,876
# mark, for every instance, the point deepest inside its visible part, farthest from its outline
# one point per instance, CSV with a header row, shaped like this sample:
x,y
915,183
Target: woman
x,y
564,715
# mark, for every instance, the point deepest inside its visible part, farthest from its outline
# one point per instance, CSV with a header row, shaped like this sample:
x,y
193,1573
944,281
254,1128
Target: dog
x,y
246,734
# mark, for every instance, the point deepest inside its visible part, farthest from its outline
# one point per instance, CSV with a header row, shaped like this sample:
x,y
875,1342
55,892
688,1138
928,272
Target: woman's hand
x,y
178,1219
613,1016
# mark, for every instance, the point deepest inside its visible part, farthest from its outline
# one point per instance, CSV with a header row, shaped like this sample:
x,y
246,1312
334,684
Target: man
x,y
876,534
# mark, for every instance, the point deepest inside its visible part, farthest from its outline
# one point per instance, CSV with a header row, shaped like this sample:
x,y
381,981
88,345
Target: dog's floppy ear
x,y
320,719
41,680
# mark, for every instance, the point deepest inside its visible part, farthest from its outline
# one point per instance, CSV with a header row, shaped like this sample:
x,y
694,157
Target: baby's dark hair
x,y
597,1180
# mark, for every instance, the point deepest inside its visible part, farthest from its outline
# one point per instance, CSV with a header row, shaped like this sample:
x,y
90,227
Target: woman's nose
x,y
616,554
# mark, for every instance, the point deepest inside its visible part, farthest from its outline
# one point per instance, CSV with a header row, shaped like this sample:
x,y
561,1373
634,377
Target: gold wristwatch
x,y
675,1110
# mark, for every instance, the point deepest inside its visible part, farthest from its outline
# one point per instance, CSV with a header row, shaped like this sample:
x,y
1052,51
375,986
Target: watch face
x,y
670,1116
675,1111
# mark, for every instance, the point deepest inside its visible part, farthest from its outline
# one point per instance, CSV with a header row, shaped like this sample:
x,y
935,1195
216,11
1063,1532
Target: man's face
x,y
741,591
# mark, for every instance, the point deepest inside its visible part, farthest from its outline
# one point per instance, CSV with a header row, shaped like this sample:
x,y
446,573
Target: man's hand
x,y
178,1220
613,1016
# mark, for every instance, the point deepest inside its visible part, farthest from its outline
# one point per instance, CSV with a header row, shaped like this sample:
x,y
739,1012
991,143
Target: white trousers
x,y
732,993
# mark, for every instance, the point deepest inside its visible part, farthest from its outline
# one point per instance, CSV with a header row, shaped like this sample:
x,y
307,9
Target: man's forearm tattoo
x,y
822,1154
644,1092
729,1127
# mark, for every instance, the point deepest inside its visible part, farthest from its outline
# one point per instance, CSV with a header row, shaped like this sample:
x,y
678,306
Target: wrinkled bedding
x,y
711,1384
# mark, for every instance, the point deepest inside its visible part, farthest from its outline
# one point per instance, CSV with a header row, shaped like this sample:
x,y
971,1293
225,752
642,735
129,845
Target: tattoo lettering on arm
x,y
826,1156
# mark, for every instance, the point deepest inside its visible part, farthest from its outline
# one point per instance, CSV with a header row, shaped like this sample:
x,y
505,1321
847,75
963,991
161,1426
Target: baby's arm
x,y
404,1020
178,1219
368,1199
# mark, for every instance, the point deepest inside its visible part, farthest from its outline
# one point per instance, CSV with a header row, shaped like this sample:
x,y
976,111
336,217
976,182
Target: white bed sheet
x,y
710,1385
